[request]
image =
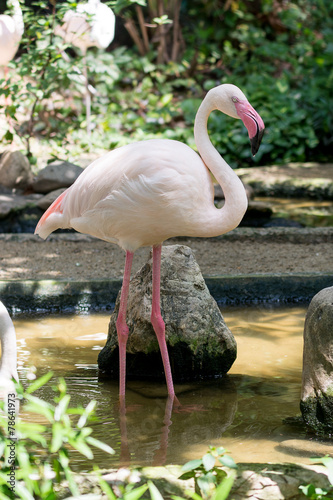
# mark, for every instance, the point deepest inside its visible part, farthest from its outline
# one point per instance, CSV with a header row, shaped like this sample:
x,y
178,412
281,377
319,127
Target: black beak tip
x,y
256,141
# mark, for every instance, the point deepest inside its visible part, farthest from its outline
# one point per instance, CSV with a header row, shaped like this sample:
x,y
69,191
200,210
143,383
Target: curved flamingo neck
x,y
229,216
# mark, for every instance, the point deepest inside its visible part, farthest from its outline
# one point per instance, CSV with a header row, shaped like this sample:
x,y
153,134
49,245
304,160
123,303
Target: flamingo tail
x,y
52,219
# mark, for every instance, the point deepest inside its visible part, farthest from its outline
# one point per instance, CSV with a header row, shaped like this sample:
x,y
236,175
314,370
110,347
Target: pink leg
x,y
122,328
157,320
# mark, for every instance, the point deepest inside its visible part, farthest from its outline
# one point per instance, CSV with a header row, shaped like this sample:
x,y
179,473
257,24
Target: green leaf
x,y
36,405
136,493
208,461
100,445
61,408
192,464
106,488
39,382
57,437
223,490
64,461
82,447
22,492
228,462
204,484
86,414
154,492
187,475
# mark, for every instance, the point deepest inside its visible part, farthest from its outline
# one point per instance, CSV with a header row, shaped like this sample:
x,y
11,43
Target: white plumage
x,y
11,31
92,24
8,362
146,192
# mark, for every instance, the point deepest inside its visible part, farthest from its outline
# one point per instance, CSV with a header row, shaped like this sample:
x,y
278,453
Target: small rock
x,y
317,383
59,174
15,170
199,342
49,198
16,203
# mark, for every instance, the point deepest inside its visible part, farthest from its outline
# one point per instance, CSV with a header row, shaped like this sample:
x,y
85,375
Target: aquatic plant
x,y
36,457
211,481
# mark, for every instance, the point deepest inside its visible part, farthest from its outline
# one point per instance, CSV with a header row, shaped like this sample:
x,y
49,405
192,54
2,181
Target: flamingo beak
x,y
253,122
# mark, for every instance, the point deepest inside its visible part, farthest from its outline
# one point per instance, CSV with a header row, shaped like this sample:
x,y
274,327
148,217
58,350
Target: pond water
x,y
308,212
243,411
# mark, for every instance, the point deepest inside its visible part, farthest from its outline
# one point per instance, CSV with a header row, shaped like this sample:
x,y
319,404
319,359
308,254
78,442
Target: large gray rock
x,y
199,342
15,170
317,383
58,174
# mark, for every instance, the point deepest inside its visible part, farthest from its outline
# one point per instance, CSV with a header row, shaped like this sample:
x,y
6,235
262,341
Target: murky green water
x,y
309,212
243,412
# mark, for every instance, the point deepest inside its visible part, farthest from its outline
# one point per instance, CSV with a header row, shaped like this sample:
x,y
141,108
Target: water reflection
x,y
243,411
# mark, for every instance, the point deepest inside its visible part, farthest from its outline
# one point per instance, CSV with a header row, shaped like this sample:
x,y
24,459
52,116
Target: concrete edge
x,y
50,296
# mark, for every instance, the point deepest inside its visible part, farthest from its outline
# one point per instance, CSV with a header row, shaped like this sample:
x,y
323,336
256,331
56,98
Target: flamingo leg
x,y
156,317
122,328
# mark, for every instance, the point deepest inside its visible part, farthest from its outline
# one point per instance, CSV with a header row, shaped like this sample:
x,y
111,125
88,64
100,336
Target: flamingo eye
x,y
234,99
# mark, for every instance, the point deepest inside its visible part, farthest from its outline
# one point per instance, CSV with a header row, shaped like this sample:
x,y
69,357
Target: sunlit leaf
x,y
100,445
154,492
208,461
137,492
192,464
223,490
228,462
39,382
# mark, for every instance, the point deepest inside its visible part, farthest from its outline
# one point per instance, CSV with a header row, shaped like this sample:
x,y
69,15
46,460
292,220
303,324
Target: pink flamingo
x,y
146,192
11,31
91,24
8,361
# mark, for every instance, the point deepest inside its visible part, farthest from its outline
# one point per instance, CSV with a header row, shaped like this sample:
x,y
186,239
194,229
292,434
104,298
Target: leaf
x,y
57,437
137,493
154,492
82,447
99,444
39,406
86,414
192,464
39,382
204,484
64,461
208,461
187,475
61,407
228,462
106,488
22,492
223,490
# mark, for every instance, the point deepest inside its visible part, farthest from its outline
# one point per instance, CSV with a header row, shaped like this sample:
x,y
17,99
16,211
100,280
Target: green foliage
x,y
281,56
43,451
314,492
279,53
211,482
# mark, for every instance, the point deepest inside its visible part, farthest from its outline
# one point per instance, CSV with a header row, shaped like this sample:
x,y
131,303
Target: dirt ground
x,y
243,251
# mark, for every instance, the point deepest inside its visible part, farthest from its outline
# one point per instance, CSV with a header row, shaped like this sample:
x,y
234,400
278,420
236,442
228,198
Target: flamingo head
x,y
230,100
